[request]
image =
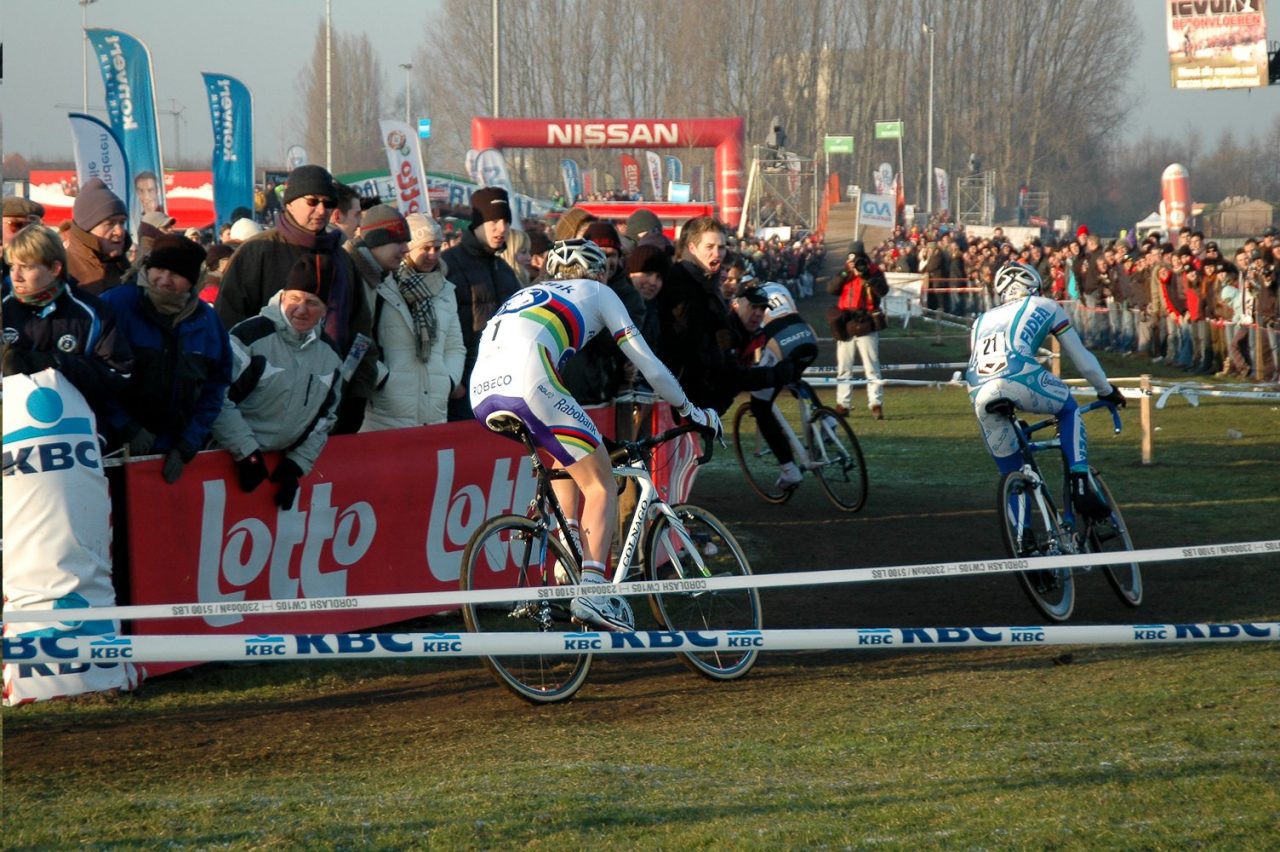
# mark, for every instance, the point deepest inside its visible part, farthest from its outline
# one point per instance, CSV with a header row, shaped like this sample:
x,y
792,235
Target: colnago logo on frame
x,y
616,134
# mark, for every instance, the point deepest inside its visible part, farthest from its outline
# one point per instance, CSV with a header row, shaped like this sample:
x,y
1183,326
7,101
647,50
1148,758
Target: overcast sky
x,y
267,42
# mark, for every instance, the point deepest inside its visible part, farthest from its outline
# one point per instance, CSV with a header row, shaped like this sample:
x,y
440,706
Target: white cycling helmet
x,y
582,253
780,301
1016,281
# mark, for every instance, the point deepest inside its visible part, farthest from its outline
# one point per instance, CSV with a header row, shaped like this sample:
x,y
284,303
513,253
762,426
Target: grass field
x,y
1084,747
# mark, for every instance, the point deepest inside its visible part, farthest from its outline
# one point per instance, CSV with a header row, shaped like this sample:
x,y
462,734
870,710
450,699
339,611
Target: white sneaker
x,y
609,612
789,477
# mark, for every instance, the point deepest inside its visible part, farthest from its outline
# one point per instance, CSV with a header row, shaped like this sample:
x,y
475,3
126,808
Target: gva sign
x,y
876,211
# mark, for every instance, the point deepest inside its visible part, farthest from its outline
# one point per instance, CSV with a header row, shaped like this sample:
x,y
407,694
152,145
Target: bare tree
x,y
357,102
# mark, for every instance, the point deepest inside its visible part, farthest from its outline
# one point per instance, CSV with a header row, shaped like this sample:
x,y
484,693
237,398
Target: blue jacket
x,y
181,370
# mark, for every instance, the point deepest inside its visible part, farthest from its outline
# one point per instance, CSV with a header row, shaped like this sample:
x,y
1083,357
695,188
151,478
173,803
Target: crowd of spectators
x,y
1185,302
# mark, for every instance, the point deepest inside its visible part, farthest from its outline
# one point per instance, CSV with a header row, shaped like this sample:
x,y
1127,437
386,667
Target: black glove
x,y
1115,397
26,361
141,442
784,373
173,465
252,470
286,475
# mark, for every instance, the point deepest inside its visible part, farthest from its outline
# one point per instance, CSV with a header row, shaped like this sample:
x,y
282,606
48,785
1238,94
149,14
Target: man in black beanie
x,y
260,267
182,357
481,278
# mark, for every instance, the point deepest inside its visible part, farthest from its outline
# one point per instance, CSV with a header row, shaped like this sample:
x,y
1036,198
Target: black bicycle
x,y
1035,525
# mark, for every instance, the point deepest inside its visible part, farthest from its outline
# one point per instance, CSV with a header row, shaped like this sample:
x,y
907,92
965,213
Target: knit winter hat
x,y
309,180
489,204
381,225
641,222
177,254
422,230
539,243
312,273
604,234
648,258
244,229
95,204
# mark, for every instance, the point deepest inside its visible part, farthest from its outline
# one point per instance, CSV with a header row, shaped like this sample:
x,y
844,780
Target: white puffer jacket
x,y
414,392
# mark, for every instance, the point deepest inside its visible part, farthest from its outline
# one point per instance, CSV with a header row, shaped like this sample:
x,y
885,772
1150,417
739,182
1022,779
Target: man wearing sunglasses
x,y
260,266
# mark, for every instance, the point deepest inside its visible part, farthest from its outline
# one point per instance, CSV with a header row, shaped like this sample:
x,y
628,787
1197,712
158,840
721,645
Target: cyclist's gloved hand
x,y
1116,398
705,418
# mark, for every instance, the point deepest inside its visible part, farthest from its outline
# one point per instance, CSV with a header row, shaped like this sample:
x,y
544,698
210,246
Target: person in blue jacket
x,y
182,357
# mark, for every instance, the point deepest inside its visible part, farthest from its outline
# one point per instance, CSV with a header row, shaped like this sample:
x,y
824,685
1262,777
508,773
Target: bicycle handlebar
x,y
629,450
1084,409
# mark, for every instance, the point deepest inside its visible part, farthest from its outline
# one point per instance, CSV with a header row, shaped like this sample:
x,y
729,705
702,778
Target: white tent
x,y
1153,222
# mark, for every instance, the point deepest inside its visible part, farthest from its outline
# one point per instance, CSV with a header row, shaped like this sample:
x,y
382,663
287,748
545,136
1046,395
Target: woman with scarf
x,y
419,336
182,357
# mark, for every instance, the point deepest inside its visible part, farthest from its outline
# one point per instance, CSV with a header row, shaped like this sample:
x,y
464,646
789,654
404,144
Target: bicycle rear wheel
x,y
1031,528
512,551
1112,536
696,548
838,460
759,464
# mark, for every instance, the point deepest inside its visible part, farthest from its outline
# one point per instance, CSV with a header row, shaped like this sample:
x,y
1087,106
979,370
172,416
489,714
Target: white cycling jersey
x,y
1004,343
526,343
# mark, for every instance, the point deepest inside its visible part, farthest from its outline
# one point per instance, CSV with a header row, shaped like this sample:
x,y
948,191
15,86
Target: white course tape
x,y
643,587
43,650
1193,394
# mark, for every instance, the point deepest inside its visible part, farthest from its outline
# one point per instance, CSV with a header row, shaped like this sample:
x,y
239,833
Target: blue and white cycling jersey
x,y
1004,343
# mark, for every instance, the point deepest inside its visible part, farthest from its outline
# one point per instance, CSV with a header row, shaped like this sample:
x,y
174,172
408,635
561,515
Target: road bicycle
x,y
829,450
1034,524
663,542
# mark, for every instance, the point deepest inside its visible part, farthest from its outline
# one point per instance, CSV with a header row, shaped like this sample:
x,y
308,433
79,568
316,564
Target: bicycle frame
x,y
545,505
1029,448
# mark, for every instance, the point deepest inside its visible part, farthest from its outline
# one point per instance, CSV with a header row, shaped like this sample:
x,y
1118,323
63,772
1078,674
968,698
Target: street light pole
x,y
84,50
407,66
928,30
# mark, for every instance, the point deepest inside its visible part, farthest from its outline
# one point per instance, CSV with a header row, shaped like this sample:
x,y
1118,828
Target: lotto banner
x,y
231,113
125,64
57,532
1216,45
382,513
404,159
98,154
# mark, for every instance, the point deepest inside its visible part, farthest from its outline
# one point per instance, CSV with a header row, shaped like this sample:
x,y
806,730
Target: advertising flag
x,y
231,112
884,179
655,173
491,170
675,168
125,64
630,175
469,164
1218,45
404,158
98,154
572,179
940,178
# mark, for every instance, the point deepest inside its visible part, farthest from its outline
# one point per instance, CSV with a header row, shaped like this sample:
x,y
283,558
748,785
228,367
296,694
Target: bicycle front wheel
x,y
837,460
699,547
1031,529
514,552
759,464
1112,536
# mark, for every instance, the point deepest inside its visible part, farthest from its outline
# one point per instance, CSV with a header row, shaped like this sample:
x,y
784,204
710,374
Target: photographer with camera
x,y
855,323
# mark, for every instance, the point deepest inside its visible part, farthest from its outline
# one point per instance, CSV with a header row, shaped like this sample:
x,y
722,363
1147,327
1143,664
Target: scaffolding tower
x,y
976,199
781,191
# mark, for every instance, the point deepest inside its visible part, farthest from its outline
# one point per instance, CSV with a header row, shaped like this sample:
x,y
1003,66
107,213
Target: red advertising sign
x,y
382,513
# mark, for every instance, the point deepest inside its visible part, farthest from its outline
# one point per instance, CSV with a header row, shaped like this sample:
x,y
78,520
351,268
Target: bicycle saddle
x,y
1002,406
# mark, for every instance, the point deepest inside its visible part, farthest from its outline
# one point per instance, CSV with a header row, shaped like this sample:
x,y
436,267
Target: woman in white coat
x,y
416,328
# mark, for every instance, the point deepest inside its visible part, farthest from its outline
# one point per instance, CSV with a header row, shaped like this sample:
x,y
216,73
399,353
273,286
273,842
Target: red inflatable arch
x,y
723,134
